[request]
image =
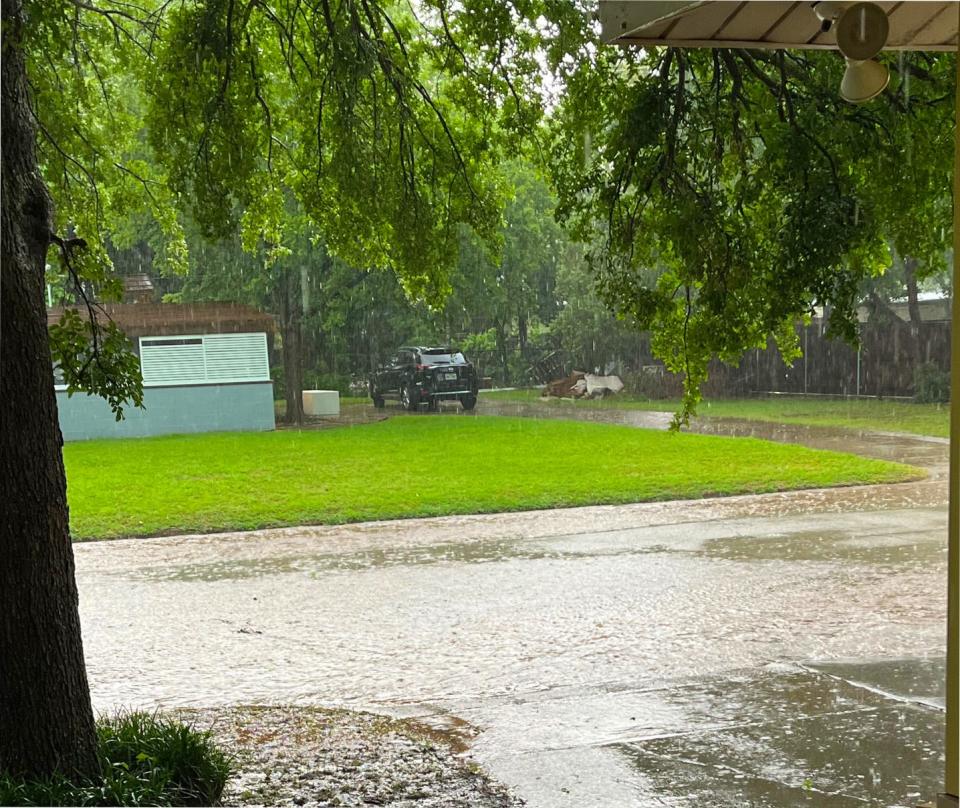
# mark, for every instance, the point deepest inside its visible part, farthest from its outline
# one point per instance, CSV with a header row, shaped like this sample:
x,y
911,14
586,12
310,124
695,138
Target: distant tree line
x,y
533,296
507,307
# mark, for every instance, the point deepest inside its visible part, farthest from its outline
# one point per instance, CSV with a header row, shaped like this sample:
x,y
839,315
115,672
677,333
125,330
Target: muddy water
x,y
764,650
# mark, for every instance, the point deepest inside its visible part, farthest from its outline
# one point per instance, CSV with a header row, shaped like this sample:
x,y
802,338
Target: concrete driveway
x,y
772,650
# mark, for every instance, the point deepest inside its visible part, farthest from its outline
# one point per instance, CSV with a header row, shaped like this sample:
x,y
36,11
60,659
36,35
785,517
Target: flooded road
x,y
759,650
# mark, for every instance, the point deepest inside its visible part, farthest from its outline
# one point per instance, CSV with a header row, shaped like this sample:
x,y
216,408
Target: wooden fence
x,y
883,366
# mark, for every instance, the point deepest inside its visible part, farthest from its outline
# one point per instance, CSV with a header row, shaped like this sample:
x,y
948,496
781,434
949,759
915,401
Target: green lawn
x,y
421,466
888,416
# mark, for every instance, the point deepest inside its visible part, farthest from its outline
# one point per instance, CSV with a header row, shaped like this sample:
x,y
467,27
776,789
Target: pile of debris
x,y
583,385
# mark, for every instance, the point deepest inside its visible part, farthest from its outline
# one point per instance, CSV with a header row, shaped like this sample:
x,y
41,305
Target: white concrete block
x,y
321,402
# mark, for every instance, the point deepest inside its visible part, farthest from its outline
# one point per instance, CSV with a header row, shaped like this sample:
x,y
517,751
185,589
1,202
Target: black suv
x,y
415,376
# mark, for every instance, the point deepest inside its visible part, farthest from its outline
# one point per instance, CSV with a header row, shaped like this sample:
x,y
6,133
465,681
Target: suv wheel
x,y
409,397
468,402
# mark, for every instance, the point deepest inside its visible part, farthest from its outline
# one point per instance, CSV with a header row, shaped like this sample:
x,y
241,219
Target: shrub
x,y
145,760
930,384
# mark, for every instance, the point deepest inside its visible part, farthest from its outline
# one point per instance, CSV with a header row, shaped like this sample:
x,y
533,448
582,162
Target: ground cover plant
x,y
875,414
144,759
422,466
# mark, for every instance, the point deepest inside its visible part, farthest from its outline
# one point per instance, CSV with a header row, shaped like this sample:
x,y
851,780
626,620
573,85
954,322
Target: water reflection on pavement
x,y
760,650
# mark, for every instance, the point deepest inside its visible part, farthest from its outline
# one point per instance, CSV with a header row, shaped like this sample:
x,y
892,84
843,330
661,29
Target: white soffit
x,y
757,24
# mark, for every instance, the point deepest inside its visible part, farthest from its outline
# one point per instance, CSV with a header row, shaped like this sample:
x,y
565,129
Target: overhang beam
x,y
929,26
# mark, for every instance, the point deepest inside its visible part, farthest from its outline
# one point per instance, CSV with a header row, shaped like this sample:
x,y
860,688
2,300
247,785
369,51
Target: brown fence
x,y
883,366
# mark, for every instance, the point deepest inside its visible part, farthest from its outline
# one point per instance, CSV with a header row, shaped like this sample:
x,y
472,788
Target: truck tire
x,y
410,397
468,402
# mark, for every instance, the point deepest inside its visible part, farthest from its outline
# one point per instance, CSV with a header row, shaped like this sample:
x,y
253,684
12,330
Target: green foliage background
x,y
720,197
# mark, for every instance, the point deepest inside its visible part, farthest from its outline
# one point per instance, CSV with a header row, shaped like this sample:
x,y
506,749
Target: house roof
x,y
168,319
775,24
140,282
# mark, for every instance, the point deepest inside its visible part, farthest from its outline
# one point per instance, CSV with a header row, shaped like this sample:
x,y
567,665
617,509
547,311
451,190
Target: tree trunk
x,y
293,372
502,351
290,323
46,721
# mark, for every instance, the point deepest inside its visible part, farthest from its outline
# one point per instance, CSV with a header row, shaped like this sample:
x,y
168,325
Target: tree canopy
x,y
381,125
728,193
722,195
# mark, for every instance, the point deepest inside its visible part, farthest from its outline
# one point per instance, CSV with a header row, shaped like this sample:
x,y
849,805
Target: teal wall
x,y
171,410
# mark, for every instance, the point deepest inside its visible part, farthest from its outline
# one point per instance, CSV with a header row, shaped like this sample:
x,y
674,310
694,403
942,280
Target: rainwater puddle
x,y
915,450
319,564
895,548
643,419
800,738
911,681
284,618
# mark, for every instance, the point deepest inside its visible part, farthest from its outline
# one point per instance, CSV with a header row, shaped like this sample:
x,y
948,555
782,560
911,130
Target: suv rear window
x,y
442,358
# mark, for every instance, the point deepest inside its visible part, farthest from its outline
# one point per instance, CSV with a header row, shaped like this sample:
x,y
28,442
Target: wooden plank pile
x,y
583,385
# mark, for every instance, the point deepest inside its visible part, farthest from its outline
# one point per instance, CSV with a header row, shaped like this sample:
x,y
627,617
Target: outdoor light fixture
x,y
828,13
861,31
863,81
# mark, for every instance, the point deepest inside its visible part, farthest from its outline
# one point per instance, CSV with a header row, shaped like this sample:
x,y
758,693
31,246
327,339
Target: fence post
x,y
806,332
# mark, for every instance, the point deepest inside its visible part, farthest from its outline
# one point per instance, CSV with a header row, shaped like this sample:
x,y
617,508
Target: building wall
x,y
171,410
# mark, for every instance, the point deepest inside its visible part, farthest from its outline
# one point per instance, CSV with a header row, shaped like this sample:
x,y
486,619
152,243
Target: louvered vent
x,y
236,357
204,359
172,360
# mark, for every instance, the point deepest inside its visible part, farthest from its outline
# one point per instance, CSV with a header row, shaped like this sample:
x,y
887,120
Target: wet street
x,y
770,650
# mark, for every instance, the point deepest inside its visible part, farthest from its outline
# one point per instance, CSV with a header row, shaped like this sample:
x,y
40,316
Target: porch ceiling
x,y
775,24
